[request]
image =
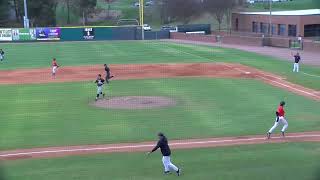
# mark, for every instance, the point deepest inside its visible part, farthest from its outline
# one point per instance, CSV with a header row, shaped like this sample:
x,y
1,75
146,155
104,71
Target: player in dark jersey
x,y
1,55
166,153
297,59
100,82
108,74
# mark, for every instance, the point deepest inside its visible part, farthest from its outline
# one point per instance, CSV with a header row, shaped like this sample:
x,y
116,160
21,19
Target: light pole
x,y
141,13
25,18
270,17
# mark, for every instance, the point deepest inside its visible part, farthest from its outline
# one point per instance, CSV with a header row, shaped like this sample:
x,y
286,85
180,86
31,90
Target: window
x,y
255,27
292,30
237,24
264,27
274,29
312,30
282,29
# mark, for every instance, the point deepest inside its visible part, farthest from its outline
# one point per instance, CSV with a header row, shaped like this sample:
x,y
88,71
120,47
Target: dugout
x,y
195,28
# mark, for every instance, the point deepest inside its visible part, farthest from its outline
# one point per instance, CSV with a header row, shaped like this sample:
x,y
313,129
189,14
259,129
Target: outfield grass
x,y
287,5
59,114
34,55
288,161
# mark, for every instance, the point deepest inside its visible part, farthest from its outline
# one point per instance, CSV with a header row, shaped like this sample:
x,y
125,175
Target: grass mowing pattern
x,y
288,161
286,5
58,114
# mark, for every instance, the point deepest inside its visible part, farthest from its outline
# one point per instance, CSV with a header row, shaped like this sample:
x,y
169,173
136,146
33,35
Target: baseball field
x,y
214,104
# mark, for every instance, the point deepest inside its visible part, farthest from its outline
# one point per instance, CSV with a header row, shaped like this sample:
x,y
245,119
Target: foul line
x,y
290,87
312,75
149,145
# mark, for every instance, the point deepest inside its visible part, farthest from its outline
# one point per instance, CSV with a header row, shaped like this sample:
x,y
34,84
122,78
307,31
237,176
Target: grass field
x,y
74,53
287,5
293,161
40,116
56,114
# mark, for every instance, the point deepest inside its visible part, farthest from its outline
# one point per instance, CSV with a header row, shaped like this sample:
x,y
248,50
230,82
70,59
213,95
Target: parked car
x,y
169,28
136,4
146,27
149,3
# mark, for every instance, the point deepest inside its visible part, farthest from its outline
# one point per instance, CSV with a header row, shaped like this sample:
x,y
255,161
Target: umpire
x,y
166,153
108,75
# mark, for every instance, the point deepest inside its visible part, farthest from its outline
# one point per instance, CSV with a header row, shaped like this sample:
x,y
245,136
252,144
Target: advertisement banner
x,y
5,34
88,33
24,34
45,34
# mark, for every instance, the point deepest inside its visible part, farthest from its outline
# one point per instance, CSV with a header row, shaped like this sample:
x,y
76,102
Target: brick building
x,y
305,23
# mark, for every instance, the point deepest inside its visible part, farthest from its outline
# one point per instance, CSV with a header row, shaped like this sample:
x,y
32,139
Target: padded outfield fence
x,y
79,34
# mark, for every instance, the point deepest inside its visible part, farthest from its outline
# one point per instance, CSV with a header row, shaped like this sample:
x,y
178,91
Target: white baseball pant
x,y
296,67
99,89
168,165
54,69
281,120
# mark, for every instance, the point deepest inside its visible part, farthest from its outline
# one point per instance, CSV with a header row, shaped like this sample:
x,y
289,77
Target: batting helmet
x,y
282,103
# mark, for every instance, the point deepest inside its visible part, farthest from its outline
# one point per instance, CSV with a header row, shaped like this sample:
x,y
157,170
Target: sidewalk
x,y
310,58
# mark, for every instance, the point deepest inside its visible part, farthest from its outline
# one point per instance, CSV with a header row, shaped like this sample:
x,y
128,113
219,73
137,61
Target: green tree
x,y
220,9
4,10
40,12
86,7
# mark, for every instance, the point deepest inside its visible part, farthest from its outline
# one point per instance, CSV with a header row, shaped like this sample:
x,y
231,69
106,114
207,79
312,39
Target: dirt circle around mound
x,y
134,102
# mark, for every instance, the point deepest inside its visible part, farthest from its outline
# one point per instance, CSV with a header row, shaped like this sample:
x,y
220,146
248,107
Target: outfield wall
x,y
79,34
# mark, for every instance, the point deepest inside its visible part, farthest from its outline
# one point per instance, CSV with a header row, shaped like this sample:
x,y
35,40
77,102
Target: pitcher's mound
x,y
134,102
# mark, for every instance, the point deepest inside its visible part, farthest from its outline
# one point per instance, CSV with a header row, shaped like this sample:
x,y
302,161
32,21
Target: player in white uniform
x,y
100,82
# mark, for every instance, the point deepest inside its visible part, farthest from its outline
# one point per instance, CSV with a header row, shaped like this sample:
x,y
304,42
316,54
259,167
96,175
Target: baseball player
x,y
166,152
279,119
108,75
100,82
1,55
297,59
55,67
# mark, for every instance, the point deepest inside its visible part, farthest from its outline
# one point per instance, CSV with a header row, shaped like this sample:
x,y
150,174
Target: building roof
x,y
286,13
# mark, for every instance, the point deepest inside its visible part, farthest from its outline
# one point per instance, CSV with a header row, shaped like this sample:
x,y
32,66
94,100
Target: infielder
x,y
297,59
108,75
100,82
279,119
166,152
1,55
54,67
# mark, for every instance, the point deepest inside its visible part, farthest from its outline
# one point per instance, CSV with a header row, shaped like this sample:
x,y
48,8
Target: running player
x,y
166,153
1,55
100,82
279,119
55,67
108,74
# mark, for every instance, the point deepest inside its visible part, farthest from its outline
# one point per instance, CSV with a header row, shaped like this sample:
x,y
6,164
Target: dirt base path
x,y
147,146
143,71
